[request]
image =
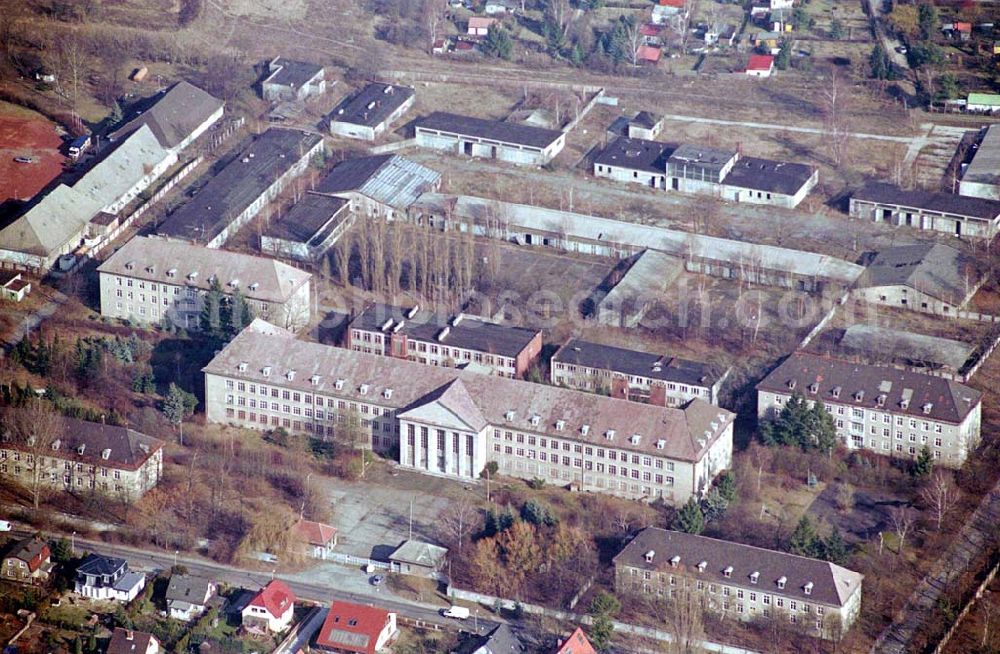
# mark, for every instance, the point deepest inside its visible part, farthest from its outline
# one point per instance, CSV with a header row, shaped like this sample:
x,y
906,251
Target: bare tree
x,y
457,521
36,429
834,100
902,519
433,14
940,495
686,619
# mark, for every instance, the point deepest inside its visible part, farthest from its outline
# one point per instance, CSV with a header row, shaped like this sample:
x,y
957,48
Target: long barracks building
x,y
450,423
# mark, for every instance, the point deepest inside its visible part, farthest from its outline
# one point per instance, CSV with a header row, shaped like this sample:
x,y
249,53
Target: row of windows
x,y
67,479
728,591
551,443
875,416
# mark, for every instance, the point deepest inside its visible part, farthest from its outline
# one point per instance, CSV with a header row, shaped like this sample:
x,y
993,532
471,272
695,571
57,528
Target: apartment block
x,y
880,409
150,279
447,422
659,379
740,582
438,340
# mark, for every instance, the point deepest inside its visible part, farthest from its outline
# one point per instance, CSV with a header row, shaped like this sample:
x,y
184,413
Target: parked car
x,y
377,580
901,49
457,612
25,160
5,525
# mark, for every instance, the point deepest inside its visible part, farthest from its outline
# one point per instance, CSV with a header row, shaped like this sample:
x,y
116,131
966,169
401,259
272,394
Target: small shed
x,y
414,557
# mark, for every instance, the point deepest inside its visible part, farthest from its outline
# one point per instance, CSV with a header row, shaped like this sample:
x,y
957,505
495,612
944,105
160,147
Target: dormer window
x,y
928,407
339,384
266,371
290,375
808,588
585,429
782,581
880,400
660,444
859,396
235,283
814,388
702,565
509,416
314,380
675,561
649,556
150,269
130,265
904,404
193,276
728,572
363,389
560,425
754,576
635,439
243,366
56,443
172,272
610,434
387,393
254,286
105,454
535,420
836,391
791,384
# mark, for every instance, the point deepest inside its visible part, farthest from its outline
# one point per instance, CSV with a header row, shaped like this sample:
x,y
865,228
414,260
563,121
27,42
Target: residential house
x,y
501,7
415,557
649,33
28,561
535,226
930,210
356,629
928,277
150,280
666,10
883,410
381,186
101,577
575,643
720,34
319,538
490,139
449,423
176,116
439,340
290,80
500,639
370,112
760,65
243,187
15,287
130,641
187,596
309,229
270,610
659,379
739,582
981,177
480,25
88,457
648,54
770,43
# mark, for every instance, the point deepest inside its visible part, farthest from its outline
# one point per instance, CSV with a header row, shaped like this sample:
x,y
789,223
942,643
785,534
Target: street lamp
x,y
72,544
476,620
175,557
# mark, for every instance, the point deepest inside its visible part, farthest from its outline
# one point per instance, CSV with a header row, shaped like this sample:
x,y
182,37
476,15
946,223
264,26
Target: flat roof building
x,y
243,187
491,139
981,178
308,230
291,80
930,210
370,112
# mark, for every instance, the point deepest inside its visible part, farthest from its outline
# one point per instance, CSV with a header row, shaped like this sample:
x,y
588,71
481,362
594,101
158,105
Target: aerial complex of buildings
x,y
374,231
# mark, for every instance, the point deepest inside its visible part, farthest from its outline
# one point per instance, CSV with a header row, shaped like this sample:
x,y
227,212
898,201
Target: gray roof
x,y
985,165
891,346
636,154
152,259
387,178
56,220
309,218
419,553
175,114
832,584
650,272
236,186
371,105
471,332
129,641
119,171
126,448
187,588
702,156
633,362
493,130
768,175
947,203
100,565
936,269
873,387
291,73
27,549
646,119
685,433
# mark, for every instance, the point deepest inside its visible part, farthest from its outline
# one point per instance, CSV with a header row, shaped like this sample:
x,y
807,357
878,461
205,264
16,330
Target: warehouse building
x,y
941,212
490,139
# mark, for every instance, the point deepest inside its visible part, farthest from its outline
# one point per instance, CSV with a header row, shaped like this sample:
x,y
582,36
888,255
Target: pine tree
x,y
726,484
498,43
176,407
804,540
689,519
924,464
835,550
239,315
211,312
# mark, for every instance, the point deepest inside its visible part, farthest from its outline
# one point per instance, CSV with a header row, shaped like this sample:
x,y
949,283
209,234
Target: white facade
x,y
67,474
370,132
475,146
253,614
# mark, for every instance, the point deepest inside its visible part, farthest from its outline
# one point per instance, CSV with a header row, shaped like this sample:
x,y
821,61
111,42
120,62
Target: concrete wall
x,y
522,156
630,176
905,297
921,219
979,190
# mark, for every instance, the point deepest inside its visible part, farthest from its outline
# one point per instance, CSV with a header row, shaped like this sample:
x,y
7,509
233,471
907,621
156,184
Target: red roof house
x,y
679,4
577,643
356,629
480,25
760,65
129,641
648,54
271,609
320,537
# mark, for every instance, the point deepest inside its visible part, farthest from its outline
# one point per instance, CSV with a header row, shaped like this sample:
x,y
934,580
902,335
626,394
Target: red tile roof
x,y
129,641
275,597
963,27
760,62
315,533
352,628
577,643
648,29
672,3
649,53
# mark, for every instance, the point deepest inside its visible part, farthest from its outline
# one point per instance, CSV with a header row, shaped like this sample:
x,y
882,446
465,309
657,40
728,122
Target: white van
x,y
5,525
457,612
